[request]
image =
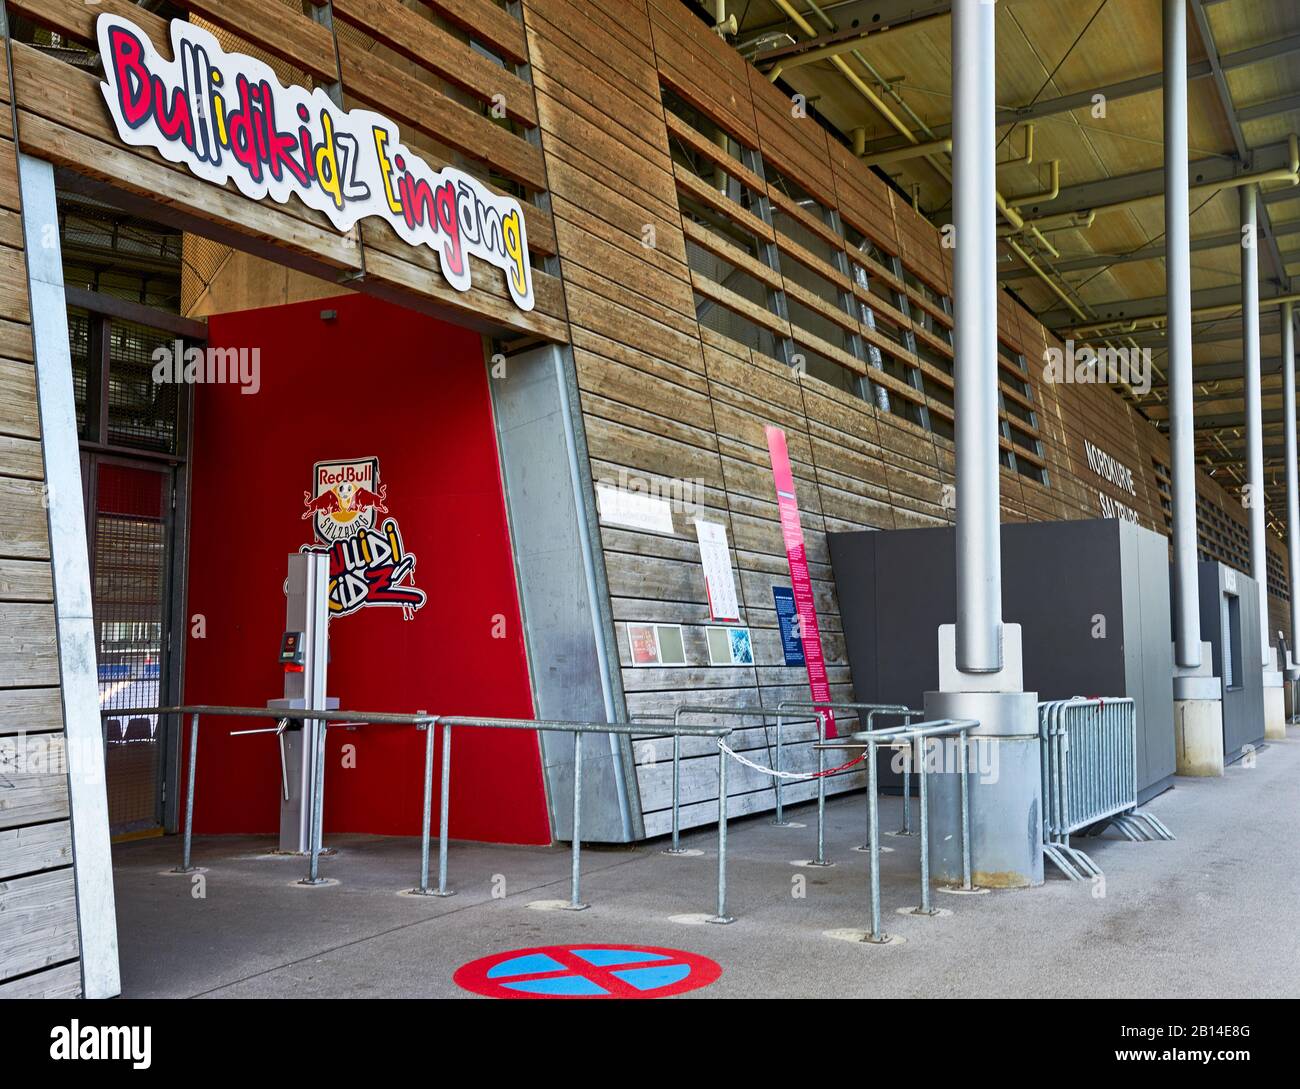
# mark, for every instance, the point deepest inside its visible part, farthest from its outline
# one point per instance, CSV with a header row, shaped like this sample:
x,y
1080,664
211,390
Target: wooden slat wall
x,y
666,399
38,925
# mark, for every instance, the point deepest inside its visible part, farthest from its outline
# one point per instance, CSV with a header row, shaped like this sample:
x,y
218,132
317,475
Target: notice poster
x,y
787,620
719,580
801,582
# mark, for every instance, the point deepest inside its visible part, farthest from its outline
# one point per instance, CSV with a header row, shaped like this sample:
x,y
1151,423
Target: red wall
x,y
376,381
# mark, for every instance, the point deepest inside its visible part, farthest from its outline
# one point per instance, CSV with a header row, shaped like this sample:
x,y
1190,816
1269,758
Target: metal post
x,y
779,820
426,814
906,830
676,848
317,802
576,904
876,935
1254,410
820,860
925,835
975,346
965,815
722,916
444,811
1178,287
185,866
1292,494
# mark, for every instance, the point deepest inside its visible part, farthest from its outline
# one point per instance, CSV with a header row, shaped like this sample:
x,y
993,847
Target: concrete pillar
x,y
1274,702
980,672
1198,709
1292,490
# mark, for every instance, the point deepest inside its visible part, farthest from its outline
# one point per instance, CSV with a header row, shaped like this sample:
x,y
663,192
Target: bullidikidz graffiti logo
x,y
223,116
369,564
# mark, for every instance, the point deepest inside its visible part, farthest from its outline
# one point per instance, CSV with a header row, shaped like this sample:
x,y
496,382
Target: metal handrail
x,y
429,723
917,734
872,710
676,731
766,714
282,716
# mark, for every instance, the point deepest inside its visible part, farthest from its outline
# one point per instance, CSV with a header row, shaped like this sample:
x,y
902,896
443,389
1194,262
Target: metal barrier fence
x,y
1089,769
919,736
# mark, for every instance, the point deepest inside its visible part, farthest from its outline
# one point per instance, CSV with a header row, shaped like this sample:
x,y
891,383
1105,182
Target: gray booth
x,y
1092,599
1230,624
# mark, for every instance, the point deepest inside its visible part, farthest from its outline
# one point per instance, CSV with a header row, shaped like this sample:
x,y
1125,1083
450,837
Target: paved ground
x,y
1208,915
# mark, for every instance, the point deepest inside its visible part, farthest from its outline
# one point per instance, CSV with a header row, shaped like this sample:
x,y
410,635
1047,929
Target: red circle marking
x,y
563,968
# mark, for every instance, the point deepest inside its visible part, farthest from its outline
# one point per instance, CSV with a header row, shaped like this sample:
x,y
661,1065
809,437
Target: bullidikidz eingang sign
x,y
226,117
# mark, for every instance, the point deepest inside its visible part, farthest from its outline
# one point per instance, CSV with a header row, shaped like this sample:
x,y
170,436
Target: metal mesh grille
x,y
141,412
79,345
130,595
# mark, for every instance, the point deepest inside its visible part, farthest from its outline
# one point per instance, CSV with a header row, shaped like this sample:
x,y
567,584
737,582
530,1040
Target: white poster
x,y
719,580
620,507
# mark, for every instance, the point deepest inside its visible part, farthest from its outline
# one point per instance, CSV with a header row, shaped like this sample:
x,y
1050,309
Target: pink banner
x,y
797,556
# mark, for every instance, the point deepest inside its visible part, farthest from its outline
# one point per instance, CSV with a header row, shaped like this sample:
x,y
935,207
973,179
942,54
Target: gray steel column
x,y
1254,412
1178,287
1292,495
975,344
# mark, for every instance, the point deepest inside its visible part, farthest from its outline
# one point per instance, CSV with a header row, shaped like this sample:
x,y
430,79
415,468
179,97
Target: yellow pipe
x,y
1027,158
1052,191
1289,174
907,151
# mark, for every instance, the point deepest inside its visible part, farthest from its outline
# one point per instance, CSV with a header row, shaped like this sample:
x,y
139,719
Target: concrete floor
x,y
1208,915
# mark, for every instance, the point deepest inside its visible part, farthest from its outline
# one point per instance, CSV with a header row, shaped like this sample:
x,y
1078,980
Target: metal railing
x,y
282,717
764,713
429,723
1089,769
578,729
777,717
919,736
872,710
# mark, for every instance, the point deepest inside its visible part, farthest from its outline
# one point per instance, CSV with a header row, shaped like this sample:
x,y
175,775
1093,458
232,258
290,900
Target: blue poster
x,y
788,619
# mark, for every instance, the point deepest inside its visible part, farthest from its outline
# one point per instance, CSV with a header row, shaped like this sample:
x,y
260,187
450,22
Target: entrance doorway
x,y
134,452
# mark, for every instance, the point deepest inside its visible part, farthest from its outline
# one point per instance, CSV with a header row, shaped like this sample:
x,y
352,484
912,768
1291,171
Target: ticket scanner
x,y
304,657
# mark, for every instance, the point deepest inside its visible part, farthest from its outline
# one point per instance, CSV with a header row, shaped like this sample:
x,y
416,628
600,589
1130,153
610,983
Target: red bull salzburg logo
x,y
369,564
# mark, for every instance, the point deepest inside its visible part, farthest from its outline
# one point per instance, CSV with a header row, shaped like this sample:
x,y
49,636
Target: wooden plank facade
x,y
717,261
38,924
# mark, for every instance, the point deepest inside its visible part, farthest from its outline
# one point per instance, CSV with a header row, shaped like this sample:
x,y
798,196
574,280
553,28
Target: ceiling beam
x,y
1217,421
859,15
1153,306
1238,137
1271,108
1090,261
1151,183
1216,331
1212,372
1138,85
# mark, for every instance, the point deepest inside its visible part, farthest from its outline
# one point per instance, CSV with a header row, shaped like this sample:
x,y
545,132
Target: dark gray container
x,y
1230,624
1091,597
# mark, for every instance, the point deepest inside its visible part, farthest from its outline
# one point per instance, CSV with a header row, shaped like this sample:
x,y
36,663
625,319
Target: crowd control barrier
x,y
1089,762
